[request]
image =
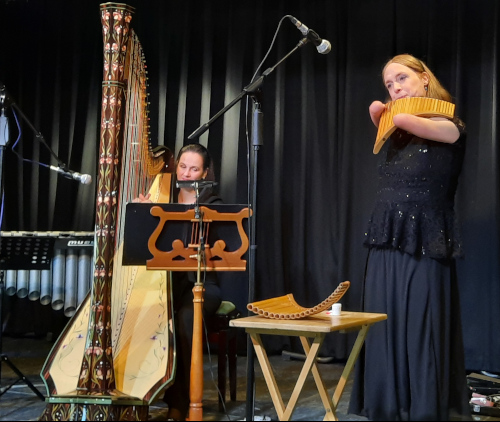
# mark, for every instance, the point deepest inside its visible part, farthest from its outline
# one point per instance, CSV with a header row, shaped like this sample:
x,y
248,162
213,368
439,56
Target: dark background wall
x,y
316,174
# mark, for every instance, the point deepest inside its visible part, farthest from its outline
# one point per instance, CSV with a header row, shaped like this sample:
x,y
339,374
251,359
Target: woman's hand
x,y
143,198
376,109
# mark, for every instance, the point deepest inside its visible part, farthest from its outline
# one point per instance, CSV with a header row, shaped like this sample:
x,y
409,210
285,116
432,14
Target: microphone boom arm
x,y
248,90
8,101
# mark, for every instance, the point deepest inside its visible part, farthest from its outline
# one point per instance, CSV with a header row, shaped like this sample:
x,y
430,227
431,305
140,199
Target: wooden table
x,y
314,327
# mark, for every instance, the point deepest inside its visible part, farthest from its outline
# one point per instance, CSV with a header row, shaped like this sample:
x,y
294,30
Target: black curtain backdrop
x,y
316,175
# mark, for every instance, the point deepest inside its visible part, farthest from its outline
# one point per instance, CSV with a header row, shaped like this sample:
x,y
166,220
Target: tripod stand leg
x,y
5,359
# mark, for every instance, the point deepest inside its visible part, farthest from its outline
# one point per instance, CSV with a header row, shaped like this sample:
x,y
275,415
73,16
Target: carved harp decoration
x,y
116,353
418,106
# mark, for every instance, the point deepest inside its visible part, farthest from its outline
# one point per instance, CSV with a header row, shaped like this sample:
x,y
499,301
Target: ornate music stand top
x,y
174,238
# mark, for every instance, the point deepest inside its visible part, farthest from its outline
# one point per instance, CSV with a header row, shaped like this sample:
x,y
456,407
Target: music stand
x,y
188,238
4,139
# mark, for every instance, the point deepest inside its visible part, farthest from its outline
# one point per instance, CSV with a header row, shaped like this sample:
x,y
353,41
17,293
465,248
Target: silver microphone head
x,y
85,179
325,47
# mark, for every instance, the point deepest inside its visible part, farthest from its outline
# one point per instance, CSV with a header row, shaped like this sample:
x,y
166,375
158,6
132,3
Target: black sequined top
x,y
414,209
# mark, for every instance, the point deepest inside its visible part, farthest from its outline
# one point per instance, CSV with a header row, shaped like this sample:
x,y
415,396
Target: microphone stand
x,y
253,89
7,99
196,376
4,140
196,373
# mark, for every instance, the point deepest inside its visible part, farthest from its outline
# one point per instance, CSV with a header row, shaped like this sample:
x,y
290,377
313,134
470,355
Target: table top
x,y
318,323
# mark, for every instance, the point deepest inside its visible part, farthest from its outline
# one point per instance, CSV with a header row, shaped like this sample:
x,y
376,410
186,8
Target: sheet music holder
x,y
177,233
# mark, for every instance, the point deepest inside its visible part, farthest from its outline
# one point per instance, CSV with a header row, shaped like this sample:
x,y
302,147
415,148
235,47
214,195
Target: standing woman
x,y
413,365
193,163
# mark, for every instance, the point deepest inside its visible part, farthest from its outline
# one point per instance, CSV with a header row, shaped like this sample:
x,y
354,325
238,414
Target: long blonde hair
x,y
434,88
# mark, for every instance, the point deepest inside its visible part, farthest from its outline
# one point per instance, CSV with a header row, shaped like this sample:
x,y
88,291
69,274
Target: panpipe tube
x,y
283,308
274,307
257,305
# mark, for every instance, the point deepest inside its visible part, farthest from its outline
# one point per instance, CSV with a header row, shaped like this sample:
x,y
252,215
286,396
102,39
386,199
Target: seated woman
x,y
193,163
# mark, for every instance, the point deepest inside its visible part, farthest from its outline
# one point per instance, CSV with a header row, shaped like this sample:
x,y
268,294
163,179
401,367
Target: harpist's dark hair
x,y
205,155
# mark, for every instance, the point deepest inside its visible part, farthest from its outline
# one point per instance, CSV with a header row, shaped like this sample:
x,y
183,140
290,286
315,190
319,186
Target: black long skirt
x,y
412,365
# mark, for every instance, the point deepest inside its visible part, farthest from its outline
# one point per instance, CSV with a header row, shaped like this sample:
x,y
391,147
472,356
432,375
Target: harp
x,y
116,353
418,106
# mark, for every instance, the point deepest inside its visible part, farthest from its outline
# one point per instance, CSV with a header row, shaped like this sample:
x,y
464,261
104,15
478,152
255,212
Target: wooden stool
x,y
225,337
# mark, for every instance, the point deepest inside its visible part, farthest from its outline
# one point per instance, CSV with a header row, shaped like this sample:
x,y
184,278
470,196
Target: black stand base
x,y
4,358
4,140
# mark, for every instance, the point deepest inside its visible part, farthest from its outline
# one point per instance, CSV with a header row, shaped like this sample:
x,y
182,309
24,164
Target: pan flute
x,y
285,307
418,106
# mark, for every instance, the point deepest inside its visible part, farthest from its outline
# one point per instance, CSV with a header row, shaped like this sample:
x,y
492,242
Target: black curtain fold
x,y
316,172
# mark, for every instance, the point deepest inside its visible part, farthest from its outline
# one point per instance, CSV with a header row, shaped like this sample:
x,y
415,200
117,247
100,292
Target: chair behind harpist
x,y
117,352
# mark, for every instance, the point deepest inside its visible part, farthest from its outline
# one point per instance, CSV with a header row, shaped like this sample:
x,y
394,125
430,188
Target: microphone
x,y
195,184
4,121
4,128
323,46
3,93
84,179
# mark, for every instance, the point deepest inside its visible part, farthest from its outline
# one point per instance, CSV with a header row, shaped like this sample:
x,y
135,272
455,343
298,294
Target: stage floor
x,y
28,354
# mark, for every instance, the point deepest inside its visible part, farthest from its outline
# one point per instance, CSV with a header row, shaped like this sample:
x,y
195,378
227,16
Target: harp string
x,y
134,177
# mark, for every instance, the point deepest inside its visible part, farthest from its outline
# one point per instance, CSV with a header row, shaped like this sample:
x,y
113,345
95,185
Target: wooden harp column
x,y
97,371
96,381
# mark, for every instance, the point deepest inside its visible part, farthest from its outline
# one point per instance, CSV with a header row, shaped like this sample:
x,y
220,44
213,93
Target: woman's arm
x,y
435,128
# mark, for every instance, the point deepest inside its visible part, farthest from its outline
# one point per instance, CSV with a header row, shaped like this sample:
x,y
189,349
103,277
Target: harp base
x,y
94,408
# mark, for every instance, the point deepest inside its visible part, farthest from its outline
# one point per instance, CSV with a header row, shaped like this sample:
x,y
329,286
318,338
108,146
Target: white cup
x,y
336,309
